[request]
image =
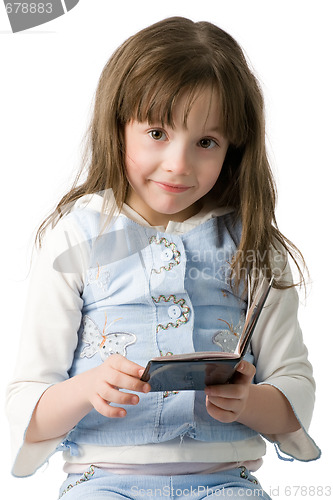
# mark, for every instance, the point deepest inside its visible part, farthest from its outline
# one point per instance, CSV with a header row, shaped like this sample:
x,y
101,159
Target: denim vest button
x,y
174,312
167,255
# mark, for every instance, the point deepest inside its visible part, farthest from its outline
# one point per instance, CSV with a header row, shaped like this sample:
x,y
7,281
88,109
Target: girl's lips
x,y
172,188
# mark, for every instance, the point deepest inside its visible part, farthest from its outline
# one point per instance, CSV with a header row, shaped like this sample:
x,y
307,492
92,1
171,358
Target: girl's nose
x,y
178,161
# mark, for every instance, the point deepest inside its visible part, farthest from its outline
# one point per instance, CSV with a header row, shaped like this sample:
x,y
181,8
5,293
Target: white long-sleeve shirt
x,y
51,322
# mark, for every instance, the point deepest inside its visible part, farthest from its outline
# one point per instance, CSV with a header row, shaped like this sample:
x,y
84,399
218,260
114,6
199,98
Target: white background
x,y
48,78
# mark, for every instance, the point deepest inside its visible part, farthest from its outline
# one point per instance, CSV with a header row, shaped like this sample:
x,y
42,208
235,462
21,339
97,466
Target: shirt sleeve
x,y
281,360
49,336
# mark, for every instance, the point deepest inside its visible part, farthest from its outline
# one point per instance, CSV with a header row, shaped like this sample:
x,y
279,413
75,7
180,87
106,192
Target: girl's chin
x,y
173,212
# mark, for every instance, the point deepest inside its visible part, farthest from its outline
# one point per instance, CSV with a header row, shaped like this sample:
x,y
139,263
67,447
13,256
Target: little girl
x,y
150,255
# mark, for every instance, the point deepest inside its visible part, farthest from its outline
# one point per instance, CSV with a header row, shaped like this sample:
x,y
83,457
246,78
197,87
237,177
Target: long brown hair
x,y
143,80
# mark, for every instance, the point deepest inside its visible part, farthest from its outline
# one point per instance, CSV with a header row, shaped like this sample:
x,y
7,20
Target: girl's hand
x,y
101,385
226,402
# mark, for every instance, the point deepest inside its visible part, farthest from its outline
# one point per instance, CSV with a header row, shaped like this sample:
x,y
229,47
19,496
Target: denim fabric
x,y
148,294
97,484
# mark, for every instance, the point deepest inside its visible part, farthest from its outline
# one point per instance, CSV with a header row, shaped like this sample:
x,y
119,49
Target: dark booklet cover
x,y
194,371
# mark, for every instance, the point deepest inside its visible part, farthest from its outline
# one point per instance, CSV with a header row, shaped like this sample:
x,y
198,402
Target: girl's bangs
x,y
157,98
157,106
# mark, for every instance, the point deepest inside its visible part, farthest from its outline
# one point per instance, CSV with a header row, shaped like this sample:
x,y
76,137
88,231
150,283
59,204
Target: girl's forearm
x,y
59,409
268,411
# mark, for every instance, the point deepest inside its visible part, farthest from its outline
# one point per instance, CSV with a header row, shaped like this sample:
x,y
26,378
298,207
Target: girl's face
x,y
169,169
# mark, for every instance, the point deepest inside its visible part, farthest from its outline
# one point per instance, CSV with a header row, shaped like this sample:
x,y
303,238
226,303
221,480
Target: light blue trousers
x,y
96,484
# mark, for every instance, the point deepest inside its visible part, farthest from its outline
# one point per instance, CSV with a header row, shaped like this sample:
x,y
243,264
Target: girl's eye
x,y
157,135
207,143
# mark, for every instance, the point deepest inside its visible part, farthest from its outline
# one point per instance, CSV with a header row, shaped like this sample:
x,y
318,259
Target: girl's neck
x,y
159,219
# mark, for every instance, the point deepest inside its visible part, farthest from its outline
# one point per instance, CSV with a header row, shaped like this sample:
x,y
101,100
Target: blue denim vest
x,y
149,293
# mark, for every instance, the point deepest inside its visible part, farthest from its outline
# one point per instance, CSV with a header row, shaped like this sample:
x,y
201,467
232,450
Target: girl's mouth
x,y
172,188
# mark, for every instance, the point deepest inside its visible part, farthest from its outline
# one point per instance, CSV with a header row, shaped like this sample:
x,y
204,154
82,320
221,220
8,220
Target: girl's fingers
x,y
102,401
125,374
124,381
227,391
103,383
244,373
120,363
113,395
235,389
223,403
221,414
105,409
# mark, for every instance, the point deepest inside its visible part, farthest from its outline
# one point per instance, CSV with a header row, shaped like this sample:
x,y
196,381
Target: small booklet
x,y
194,371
